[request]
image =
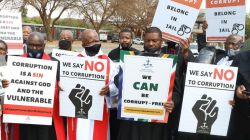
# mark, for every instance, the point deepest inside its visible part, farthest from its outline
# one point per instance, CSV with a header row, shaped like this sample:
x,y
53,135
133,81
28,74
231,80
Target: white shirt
x,y
225,61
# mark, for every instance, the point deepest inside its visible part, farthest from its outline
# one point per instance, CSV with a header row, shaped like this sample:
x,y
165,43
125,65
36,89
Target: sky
x,y
32,12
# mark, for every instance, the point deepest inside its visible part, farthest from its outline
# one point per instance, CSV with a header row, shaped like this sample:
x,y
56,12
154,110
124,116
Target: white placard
x,y
208,90
176,18
11,31
225,18
82,80
29,98
146,83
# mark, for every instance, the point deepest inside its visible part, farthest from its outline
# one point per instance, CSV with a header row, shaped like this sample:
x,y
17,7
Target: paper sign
x,y
29,98
11,31
176,18
225,18
208,90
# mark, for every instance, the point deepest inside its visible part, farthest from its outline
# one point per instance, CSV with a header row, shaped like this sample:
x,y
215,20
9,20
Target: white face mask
x,y
232,52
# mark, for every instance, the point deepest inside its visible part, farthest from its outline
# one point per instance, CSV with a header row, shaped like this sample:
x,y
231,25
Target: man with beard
x,y
78,128
125,43
26,32
132,130
35,49
65,40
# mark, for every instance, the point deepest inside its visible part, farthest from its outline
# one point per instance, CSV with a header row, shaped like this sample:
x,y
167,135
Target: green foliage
x,y
71,22
35,20
248,25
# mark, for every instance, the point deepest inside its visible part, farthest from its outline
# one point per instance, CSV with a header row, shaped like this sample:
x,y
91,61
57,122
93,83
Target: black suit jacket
x,y
242,61
114,54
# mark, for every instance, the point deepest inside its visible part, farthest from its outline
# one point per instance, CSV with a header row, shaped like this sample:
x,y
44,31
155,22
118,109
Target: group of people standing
x,y
154,45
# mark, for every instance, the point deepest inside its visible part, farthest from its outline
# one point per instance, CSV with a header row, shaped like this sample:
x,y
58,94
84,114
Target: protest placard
x,y
176,18
29,98
11,31
82,79
145,87
225,18
208,90
56,53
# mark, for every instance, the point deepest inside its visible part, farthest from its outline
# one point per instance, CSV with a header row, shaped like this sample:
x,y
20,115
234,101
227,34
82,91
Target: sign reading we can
x,y
176,18
228,16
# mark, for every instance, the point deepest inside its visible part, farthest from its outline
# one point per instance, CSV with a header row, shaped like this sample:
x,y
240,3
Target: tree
x,y
248,25
136,15
46,8
98,12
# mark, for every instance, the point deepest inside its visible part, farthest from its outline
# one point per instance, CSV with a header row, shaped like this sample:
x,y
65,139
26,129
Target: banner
x,y
11,31
82,79
225,18
145,87
176,18
30,96
208,90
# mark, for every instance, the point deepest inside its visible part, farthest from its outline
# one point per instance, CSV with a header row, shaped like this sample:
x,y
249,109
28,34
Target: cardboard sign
x,y
82,80
176,18
145,87
208,90
11,31
225,18
29,98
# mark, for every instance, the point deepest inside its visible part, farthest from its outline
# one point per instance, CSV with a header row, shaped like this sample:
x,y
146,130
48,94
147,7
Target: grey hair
x,y
39,35
67,31
28,27
88,30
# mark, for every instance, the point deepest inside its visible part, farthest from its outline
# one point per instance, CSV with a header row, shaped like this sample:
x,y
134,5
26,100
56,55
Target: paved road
x,y
106,46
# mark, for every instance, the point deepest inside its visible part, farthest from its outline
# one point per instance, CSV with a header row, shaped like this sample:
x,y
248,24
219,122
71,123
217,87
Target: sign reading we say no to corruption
x,y
225,17
30,96
11,31
176,18
208,90
82,79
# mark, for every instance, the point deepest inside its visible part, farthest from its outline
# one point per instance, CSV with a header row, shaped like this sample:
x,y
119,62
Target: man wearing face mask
x,y
66,40
92,48
232,47
125,43
35,49
26,32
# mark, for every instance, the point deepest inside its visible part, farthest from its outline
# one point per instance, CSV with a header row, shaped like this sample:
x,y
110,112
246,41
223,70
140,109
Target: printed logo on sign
x,y
191,3
206,114
147,66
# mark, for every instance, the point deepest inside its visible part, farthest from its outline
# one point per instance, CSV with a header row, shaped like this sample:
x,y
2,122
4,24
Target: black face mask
x,y
152,50
93,50
126,47
35,53
64,45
